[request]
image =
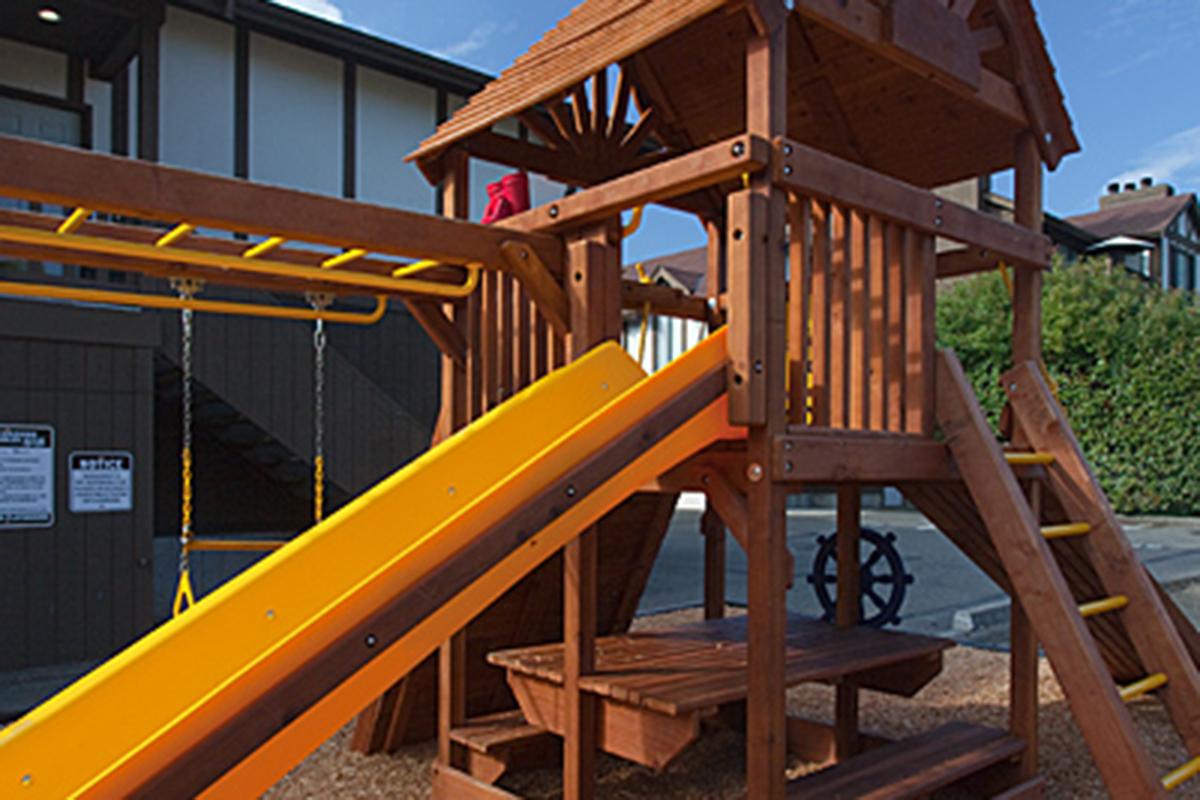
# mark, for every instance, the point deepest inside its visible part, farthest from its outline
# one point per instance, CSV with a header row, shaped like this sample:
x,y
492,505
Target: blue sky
x,y
1130,70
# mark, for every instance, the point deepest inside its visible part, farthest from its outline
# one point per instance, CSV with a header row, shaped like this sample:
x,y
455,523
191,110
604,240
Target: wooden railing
x,y
861,300
510,344
860,320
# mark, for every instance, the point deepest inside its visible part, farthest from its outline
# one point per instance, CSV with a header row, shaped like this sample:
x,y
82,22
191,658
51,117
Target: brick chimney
x,y
1133,192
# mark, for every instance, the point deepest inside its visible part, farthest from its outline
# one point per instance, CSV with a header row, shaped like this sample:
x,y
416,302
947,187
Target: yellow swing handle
x,y
184,597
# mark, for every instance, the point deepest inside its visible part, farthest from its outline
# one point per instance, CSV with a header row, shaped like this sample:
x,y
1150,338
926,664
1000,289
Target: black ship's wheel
x,y
883,582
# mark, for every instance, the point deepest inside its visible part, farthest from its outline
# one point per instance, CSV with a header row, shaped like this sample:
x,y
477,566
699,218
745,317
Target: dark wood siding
x,y
81,589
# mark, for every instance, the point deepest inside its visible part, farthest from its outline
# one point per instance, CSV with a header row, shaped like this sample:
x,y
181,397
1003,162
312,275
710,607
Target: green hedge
x,y
1126,357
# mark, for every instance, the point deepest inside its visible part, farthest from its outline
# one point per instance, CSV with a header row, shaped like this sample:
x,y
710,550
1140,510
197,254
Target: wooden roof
x,y
930,91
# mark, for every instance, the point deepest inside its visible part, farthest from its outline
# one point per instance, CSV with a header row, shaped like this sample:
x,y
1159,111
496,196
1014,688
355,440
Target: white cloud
x,y
1175,159
325,9
477,39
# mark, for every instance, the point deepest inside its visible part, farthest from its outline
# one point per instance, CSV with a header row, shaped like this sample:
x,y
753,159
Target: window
x,y
1183,269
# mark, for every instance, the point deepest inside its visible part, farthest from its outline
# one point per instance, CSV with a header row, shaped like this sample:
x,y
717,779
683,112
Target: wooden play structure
x,y
807,137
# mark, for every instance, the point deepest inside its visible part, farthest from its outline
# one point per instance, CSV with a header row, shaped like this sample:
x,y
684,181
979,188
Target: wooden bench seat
x,y
656,686
911,767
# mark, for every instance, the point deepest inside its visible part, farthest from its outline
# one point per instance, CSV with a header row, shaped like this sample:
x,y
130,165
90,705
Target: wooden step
x,y
495,732
911,767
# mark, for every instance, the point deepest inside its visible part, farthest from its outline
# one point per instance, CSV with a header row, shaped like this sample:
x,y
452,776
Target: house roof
x,y
684,270
1135,218
686,58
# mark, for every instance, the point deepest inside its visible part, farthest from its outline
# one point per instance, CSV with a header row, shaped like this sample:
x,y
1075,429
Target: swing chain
x,y
319,303
186,289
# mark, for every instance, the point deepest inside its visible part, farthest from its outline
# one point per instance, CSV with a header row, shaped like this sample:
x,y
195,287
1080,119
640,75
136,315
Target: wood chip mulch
x,y
972,687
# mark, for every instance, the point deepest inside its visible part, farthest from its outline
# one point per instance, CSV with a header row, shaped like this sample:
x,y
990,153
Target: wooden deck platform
x,y
656,686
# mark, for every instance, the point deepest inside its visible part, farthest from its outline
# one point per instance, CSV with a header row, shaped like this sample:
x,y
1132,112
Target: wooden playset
x,y
807,137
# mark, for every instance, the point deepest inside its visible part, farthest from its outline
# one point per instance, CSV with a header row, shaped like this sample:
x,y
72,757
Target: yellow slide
x,y
224,699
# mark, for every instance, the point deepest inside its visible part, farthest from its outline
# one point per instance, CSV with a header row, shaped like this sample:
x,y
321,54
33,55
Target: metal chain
x,y
319,302
186,290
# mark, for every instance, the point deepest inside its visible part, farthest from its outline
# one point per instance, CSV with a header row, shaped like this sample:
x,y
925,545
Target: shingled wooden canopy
x,y
882,83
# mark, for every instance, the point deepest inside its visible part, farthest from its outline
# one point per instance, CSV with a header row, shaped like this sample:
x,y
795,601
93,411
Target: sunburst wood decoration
x,y
584,122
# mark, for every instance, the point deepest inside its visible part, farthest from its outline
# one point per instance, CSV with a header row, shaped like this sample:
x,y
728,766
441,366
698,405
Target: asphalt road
x,y
949,596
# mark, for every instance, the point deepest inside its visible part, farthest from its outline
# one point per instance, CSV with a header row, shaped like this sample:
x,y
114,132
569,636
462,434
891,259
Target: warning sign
x,y
26,476
100,481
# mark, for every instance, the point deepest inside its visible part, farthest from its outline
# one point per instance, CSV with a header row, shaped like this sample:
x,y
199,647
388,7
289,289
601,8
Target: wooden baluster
x,y
859,322
505,381
541,345
839,334
896,241
799,288
921,266
524,365
877,286
820,304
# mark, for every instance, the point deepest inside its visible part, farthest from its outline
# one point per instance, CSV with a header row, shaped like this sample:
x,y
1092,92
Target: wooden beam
x,y
1027,283
988,39
879,459
809,171
932,36
849,513
666,301
441,329
712,528
672,178
862,21
559,165
66,176
551,300
757,342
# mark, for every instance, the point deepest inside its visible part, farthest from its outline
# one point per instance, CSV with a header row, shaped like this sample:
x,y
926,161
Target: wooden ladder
x,y
1038,582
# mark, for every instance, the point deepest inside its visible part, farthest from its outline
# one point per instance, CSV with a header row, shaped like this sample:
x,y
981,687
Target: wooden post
x,y
758,353
849,514
712,528
593,287
1027,282
452,655
1023,669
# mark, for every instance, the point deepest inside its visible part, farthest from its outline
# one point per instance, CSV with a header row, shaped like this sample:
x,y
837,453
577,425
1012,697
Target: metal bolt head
x,y
738,149
270,613
787,169
754,472
787,466
571,490
26,779
371,640
937,221
788,149
758,367
938,202
553,212
451,491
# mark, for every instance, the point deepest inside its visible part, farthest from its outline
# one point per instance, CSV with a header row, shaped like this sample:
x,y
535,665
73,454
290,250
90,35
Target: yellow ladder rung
x,y
1095,607
1178,777
1065,530
235,545
175,234
265,246
1028,459
77,218
1148,684
346,257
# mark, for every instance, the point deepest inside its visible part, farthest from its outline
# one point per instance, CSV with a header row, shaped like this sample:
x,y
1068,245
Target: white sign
x,y
26,476
100,480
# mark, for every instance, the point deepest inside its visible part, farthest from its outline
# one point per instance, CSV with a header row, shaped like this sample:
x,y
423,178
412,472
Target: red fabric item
x,y
507,196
